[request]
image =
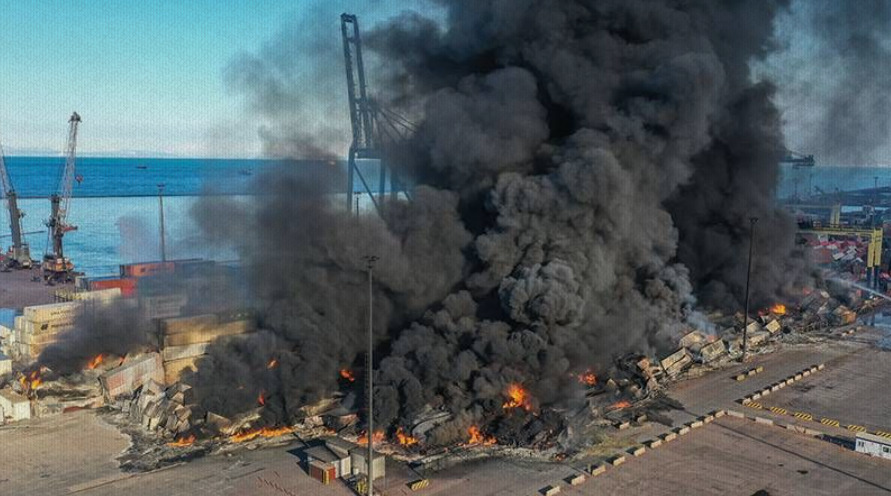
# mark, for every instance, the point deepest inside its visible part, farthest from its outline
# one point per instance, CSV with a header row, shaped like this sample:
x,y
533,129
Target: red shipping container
x,y
322,472
126,285
146,269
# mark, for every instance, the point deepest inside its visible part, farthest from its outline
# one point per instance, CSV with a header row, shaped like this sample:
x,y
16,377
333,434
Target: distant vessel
x,y
143,167
245,172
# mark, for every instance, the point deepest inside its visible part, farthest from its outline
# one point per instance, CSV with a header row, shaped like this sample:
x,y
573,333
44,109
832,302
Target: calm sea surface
x,y
115,205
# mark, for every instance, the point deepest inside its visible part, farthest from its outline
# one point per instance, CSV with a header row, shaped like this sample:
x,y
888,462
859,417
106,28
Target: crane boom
x,y
19,254
55,265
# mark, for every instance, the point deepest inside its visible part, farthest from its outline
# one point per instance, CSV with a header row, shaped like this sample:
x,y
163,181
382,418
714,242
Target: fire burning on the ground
x,y
183,442
619,405
518,398
95,362
477,437
272,364
588,378
405,439
348,375
261,399
259,432
778,309
377,437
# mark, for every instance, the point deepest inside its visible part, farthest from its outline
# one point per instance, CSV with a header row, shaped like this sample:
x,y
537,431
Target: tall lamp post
x,y
745,345
369,367
161,221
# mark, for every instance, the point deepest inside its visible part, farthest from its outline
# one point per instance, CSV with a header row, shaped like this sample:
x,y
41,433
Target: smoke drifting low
x,y
584,171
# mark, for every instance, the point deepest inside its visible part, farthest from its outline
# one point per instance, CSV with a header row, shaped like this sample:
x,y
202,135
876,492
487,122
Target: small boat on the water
x,y
142,167
245,172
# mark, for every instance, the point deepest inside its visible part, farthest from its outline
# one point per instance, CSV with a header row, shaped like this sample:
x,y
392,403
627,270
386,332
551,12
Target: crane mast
x,y
55,266
373,126
19,254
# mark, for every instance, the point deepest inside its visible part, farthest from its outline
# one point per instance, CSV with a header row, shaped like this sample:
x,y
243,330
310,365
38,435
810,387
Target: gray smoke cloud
x,y
833,77
584,171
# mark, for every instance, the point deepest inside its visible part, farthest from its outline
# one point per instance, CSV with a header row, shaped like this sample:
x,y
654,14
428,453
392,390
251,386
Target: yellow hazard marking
x,y
756,406
778,410
828,421
884,434
803,416
856,428
419,484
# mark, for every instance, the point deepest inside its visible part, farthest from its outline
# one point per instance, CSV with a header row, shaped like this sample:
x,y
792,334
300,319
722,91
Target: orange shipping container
x,y
126,285
146,269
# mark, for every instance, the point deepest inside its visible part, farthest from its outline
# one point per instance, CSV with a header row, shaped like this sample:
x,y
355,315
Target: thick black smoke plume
x,y
580,166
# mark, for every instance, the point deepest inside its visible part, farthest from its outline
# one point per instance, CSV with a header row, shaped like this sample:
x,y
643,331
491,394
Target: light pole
x,y
369,367
745,345
161,222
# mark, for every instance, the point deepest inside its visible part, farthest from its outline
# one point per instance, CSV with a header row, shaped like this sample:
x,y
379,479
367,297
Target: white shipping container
x,y
53,311
873,445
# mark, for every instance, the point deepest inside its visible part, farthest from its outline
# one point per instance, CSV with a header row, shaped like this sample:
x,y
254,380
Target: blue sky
x,y
146,76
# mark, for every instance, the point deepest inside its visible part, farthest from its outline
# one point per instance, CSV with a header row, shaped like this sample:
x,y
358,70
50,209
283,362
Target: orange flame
x,y
182,442
260,399
95,362
348,375
272,364
378,437
518,398
778,309
588,378
31,381
405,439
266,432
619,405
477,437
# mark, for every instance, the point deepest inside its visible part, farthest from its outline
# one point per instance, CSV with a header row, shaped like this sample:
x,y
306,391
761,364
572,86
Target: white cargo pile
x,y
184,340
13,407
5,365
100,296
40,325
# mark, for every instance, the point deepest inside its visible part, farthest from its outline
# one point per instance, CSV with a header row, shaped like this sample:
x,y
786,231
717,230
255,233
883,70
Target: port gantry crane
x,y
374,127
19,254
57,268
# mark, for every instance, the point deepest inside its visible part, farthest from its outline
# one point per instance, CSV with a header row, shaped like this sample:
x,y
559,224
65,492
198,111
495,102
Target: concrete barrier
x,y
708,419
617,460
751,372
762,420
790,381
765,392
798,377
746,400
577,480
740,377
759,369
654,443
774,388
821,366
682,431
641,419
596,470
805,373
550,490
756,396
734,413
671,436
623,425
813,369
637,451
697,424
